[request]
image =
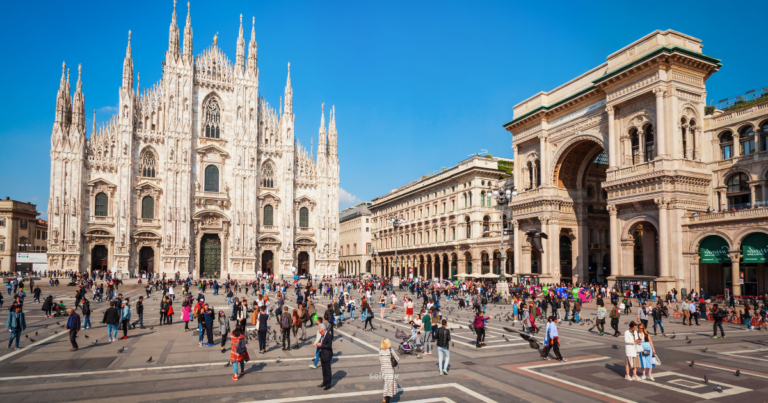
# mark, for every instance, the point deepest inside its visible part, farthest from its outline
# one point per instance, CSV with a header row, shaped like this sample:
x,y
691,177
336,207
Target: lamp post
x,y
396,222
503,198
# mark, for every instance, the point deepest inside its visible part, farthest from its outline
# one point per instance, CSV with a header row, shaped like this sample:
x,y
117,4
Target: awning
x,y
754,248
714,249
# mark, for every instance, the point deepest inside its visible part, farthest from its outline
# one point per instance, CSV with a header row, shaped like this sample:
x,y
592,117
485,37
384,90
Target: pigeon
x,y
706,380
122,350
96,341
737,372
58,323
615,346
691,364
453,344
418,356
591,328
719,389
26,335
151,328
35,333
56,332
353,334
86,336
686,337
705,350
46,327
228,364
689,341
277,361
150,359
32,340
673,337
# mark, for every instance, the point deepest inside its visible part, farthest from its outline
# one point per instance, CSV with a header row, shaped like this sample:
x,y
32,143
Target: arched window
x,y
304,217
537,164
148,207
764,137
102,205
469,228
726,145
212,119
486,226
530,175
211,178
147,164
634,138
268,215
268,175
738,191
683,130
747,138
650,149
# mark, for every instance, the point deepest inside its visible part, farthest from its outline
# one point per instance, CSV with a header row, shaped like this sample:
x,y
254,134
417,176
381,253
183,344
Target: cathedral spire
x,y
128,66
78,103
93,126
240,57
323,138
173,35
332,132
188,33
252,48
288,93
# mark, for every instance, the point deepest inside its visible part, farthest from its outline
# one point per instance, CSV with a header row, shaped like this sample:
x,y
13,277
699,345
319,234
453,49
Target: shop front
x,y
636,284
754,253
714,266
529,279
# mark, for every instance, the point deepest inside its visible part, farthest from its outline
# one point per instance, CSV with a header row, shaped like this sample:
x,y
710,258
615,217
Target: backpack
x,y
286,322
240,349
719,315
197,311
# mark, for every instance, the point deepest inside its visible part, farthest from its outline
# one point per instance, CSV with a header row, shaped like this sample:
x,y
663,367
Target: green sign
x,y
714,249
754,248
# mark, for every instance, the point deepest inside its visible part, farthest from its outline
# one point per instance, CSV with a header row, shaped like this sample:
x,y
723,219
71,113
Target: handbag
x,y
392,359
656,361
646,348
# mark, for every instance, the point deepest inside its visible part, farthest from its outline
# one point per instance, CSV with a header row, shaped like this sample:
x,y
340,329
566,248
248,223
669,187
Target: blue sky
x,y
417,85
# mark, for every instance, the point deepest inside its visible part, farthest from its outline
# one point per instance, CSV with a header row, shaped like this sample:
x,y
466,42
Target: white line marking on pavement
x,y
210,364
21,350
738,354
470,392
729,391
593,390
730,370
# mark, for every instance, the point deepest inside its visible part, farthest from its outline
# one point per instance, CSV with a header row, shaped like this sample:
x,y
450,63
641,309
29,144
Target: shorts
x,y
382,305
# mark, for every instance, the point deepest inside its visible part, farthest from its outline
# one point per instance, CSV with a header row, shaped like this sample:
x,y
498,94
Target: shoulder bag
x,y
392,359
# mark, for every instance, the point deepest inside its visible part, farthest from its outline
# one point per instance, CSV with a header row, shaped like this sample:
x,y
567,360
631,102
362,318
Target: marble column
x,y
640,147
613,149
736,287
518,242
664,238
661,138
615,240
628,258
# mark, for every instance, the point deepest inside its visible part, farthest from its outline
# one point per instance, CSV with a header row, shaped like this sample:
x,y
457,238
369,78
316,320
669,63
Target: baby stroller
x,y
59,310
408,344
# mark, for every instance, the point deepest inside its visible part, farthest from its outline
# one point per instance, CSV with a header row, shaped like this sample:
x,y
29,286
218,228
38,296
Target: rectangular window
x,y
607,238
369,248
453,205
421,238
592,236
427,211
419,213
45,235
444,235
2,221
23,224
366,229
727,152
748,147
2,245
453,233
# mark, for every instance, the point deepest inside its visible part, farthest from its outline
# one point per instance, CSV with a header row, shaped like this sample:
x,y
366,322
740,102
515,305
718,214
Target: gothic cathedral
x,y
196,174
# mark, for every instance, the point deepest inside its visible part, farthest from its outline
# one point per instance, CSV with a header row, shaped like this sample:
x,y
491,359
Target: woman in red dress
x,y
238,358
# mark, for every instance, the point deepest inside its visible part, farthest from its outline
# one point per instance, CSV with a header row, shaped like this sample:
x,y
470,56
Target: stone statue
x,y
56,207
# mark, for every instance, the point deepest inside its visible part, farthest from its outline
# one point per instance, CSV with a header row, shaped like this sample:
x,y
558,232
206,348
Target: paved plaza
x,y
507,370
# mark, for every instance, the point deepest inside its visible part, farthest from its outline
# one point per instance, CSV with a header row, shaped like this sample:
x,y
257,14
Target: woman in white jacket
x,y
631,338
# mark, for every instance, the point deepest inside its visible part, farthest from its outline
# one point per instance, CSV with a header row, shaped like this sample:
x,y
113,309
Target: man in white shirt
x,y
694,314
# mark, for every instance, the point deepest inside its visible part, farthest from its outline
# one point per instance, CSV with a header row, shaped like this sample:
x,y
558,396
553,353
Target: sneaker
x,y
642,378
627,378
714,337
635,378
234,378
313,366
650,378
124,337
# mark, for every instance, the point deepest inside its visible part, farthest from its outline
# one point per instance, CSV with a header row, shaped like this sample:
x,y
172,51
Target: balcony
x,y
211,198
759,211
147,222
101,221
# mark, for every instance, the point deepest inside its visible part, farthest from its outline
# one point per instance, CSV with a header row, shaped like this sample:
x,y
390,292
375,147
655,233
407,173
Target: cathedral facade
x,y
195,174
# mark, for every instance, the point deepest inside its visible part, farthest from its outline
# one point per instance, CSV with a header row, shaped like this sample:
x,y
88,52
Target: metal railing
x,y
736,101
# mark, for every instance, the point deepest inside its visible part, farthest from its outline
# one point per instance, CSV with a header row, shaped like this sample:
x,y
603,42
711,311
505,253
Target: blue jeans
x,y
15,334
87,322
200,332
352,313
443,351
576,316
660,322
317,355
343,314
234,366
140,320
110,328
566,314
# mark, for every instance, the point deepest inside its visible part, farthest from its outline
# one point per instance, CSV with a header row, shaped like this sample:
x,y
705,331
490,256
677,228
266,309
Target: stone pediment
x,y
269,198
145,234
268,239
148,189
304,241
304,201
212,149
99,232
99,185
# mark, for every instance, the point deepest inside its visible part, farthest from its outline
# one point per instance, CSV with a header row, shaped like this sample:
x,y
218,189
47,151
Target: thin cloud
x,y
108,109
347,199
